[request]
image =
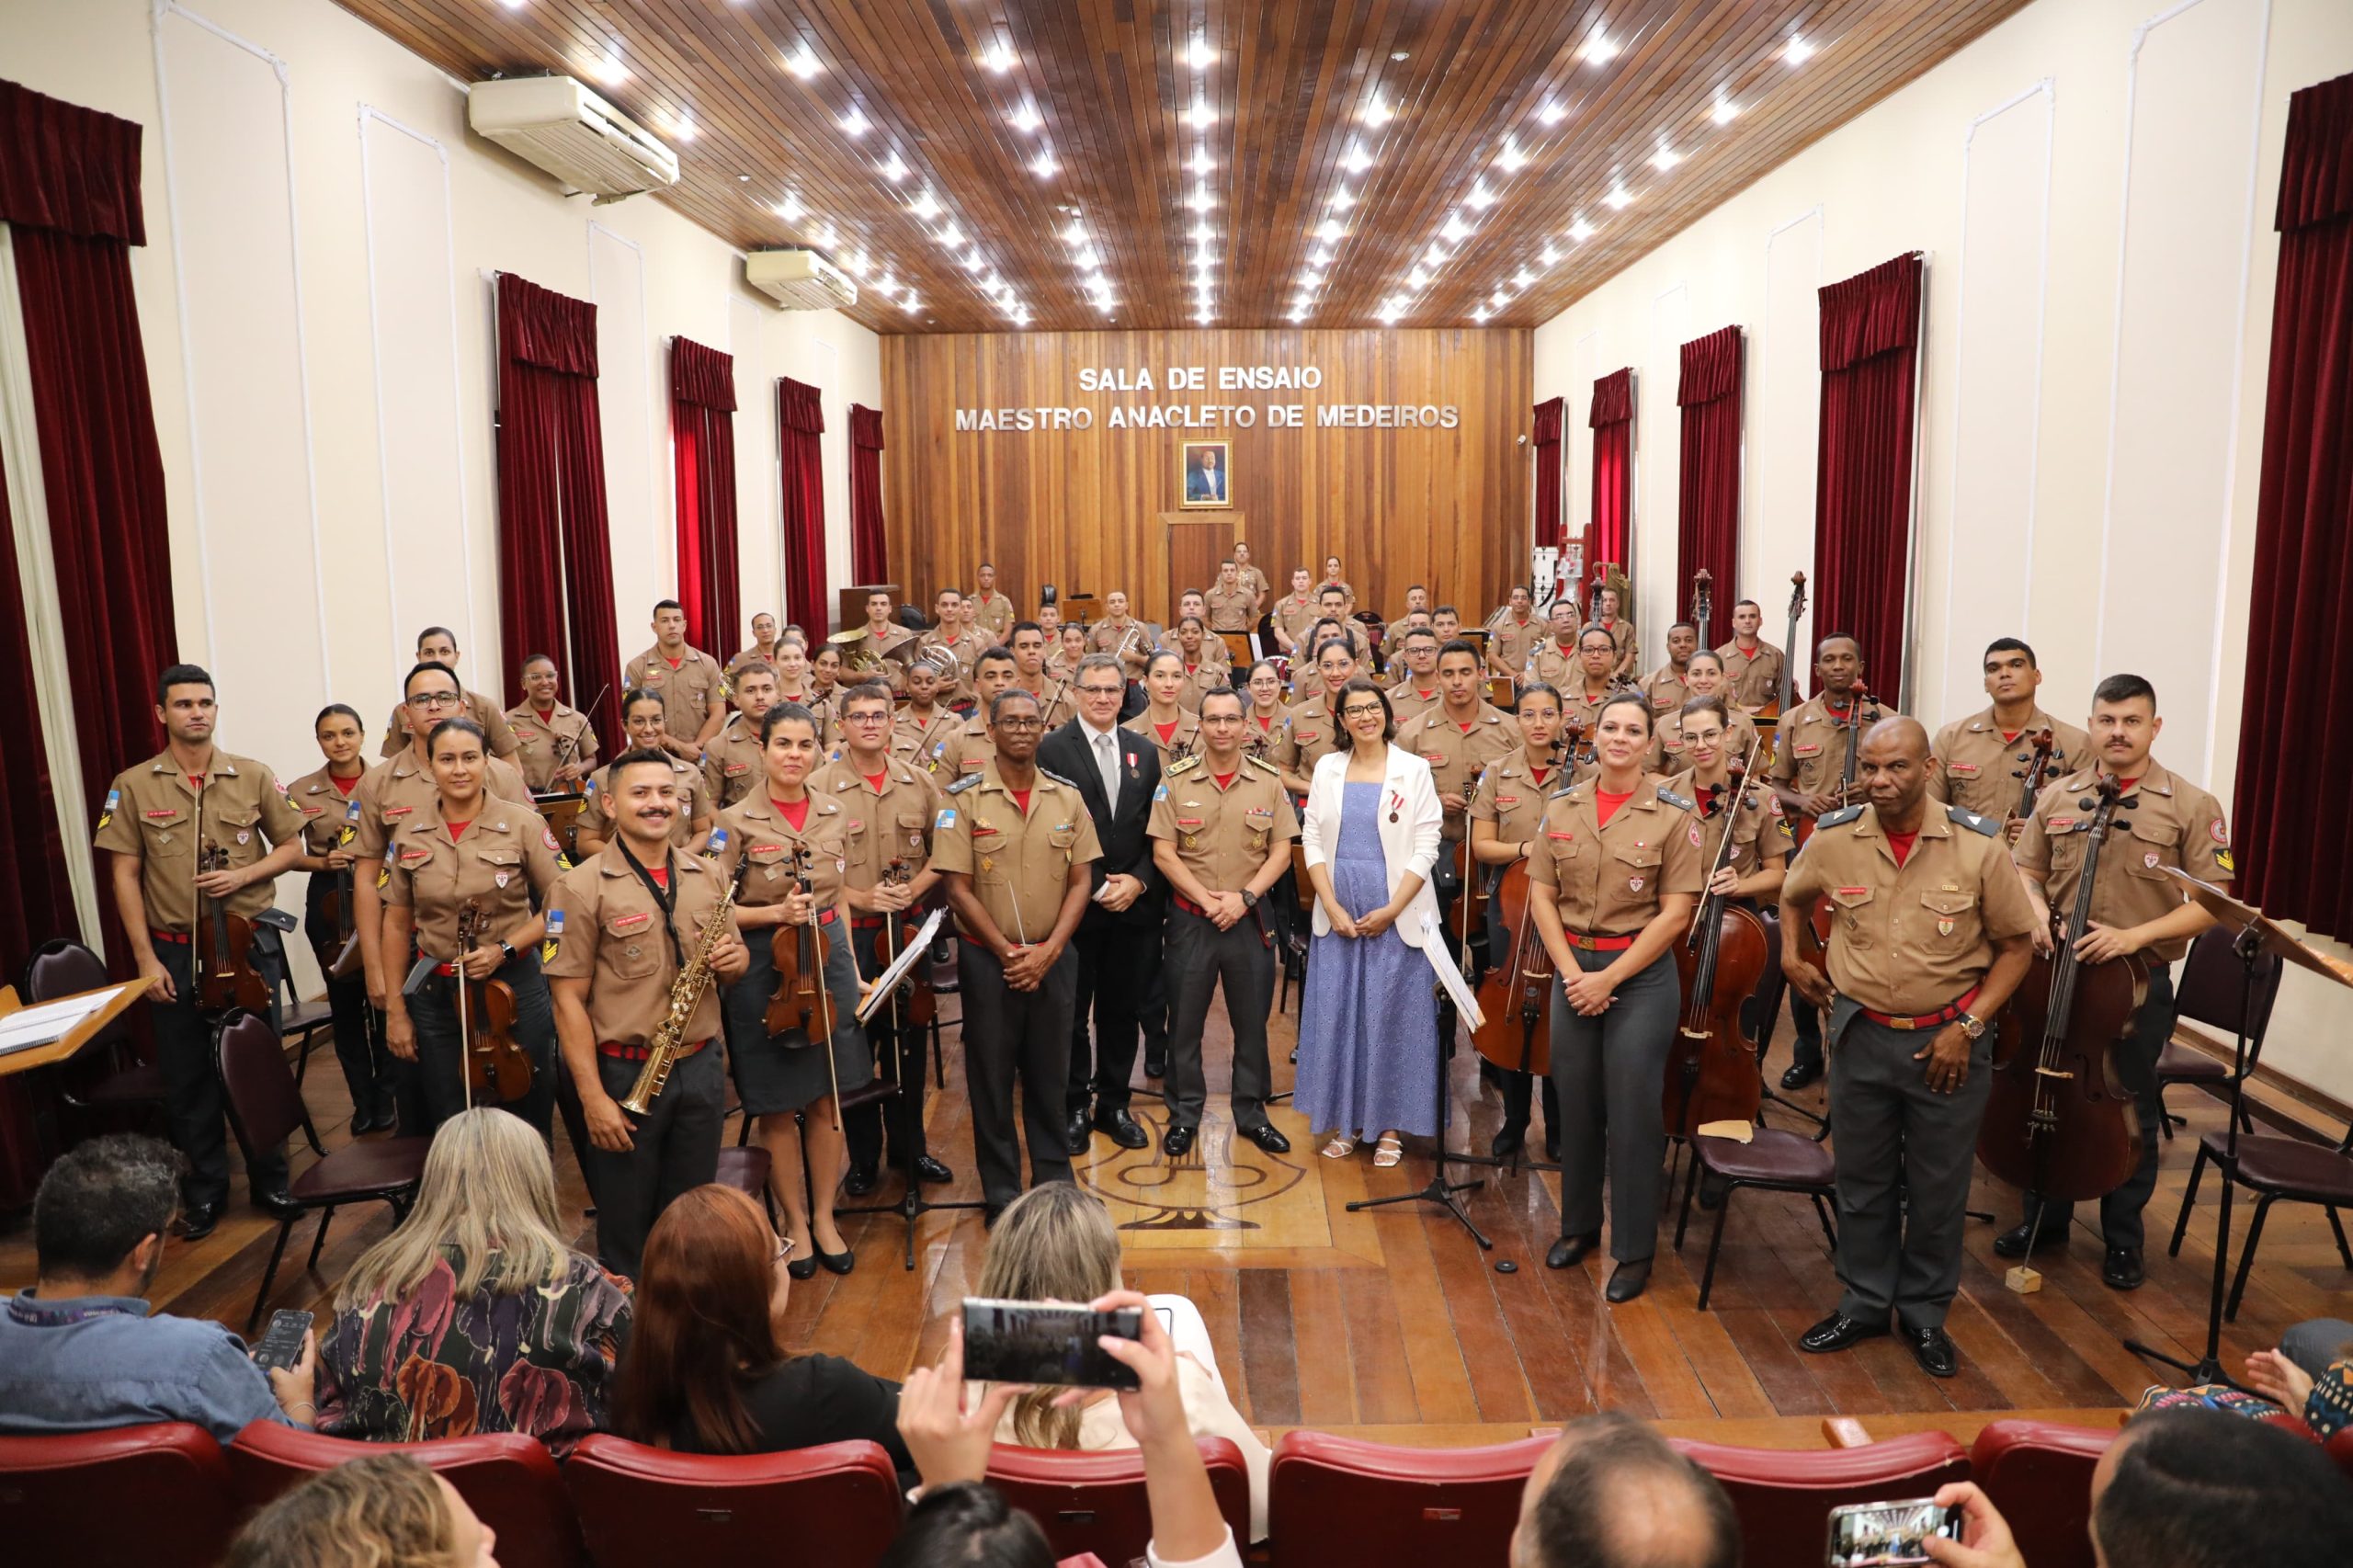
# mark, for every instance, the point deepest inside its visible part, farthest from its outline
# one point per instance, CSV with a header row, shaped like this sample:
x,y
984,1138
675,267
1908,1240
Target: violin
x,y
1862,711
1712,1067
497,1069
915,999
800,952
1780,703
225,976
2058,1119
1516,992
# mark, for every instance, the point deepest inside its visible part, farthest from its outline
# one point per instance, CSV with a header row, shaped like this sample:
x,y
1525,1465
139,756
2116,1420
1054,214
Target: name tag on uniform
x,y
1805,750
767,851
165,815
410,855
1507,799
623,924
734,768
2061,825
1437,758
1189,821
1564,837
1962,768
392,811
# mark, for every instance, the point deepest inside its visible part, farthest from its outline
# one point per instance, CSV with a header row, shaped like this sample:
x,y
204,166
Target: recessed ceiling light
x,y
1025,118
1043,164
1075,234
1202,162
1480,315
1341,200
684,130
1481,198
887,287
1665,158
1725,111
1522,279
1399,54
1418,278
1552,113
805,63
1799,51
746,180
950,236
856,124
1310,279
826,236
1201,230
1378,113
1579,230
1436,255
1200,201
1511,160
999,59
925,206
790,207
609,68
1356,160
970,260
1454,230
1390,311
1499,298
1299,313
1598,50
855,263
1548,257
1329,230
907,302
1200,115
893,170
1087,260
1319,256
1200,55
1619,197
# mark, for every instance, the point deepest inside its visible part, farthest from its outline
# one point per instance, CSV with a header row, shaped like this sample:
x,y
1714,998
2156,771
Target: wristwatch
x,y
1974,1025
1249,899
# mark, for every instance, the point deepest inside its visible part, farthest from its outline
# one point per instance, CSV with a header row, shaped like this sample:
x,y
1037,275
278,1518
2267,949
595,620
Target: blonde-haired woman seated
x,y
384,1511
1056,1242
475,1316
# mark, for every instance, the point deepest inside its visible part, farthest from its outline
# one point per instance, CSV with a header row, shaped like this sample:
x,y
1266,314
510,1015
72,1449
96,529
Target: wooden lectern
x,y
66,1046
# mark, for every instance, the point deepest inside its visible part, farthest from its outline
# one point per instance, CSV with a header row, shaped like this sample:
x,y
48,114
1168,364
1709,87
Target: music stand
x,y
2254,933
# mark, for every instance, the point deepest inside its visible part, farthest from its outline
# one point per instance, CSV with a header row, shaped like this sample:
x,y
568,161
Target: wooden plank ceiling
x,y
1167,146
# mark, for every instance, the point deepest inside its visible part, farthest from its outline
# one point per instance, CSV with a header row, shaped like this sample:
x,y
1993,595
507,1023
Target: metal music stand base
x,y
912,1205
1439,1190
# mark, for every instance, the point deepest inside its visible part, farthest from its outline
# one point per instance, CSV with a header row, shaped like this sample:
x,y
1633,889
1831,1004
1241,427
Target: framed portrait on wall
x,y
1202,474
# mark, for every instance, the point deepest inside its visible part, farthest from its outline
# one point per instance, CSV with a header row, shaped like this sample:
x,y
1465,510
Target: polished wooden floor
x,y
1394,1324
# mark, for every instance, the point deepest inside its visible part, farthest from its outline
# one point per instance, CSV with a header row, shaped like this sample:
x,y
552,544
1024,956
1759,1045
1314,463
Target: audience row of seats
x,y
167,1496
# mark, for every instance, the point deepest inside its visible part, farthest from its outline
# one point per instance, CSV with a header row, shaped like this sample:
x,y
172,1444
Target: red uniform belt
x,y
1189,906
865,922
1942,1015
1599,944
639,1052
177,939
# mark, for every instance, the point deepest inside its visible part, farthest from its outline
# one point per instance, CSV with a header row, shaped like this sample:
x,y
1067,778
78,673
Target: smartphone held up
x,y
1887,1535
1046,1342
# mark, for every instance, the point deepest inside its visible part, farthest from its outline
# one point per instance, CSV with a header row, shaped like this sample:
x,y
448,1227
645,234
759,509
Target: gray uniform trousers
x,y
1609,1072
1197,957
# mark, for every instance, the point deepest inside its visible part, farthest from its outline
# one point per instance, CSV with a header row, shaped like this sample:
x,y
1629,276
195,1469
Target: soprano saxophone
x,y
685,995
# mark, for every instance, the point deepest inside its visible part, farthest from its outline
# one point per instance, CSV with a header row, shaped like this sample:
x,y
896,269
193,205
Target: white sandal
x,y
1388,1152
1341,1146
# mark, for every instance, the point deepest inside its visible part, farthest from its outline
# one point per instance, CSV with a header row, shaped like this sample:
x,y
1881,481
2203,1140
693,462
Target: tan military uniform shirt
x,y
1759,830
993,612
1265,741
605,927
1315,735
957,654
1622,631
326,811
401,787
1214,653
480,709
1294,613
1512,797
1230,612
969,747
732,766
821,708
537,741
1608,881
1130,638
506,857
923,743
1253,582
752,654
1056,706
757,829
2177,824
1810,747
1457,756
1223,833
1909,940
1200,681
1667,746
1182,742
1983,770
150,814
895,824
1513,640
690,693
1752,679
1666,688
1020,865
1408,702
693,800
1554,665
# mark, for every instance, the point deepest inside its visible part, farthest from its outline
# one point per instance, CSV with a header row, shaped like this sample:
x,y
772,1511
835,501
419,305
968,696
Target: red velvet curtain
x,y
555,561
800,420
1708,521
1613,468
870,553
2293,855
69,185
1545,435
703,430
1863,512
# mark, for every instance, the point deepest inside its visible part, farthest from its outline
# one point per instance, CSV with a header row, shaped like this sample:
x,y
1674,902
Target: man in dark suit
x,y
1118,942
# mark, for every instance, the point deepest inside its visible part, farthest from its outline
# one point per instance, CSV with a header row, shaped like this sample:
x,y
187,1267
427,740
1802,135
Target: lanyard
x,y
666,899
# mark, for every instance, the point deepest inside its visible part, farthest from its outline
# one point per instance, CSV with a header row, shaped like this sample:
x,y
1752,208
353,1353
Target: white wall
x,y
2093,182
315,295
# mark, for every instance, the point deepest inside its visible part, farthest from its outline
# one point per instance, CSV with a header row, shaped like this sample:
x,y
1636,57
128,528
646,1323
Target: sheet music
x,y
1433,948
921,943
51,1021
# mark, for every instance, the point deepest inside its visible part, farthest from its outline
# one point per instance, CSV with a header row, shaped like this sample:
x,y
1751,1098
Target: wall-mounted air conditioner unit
x,y
582,141
799,280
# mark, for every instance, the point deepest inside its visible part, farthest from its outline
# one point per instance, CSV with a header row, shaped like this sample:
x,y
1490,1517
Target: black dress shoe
x,y
1627,1279
1838,1332
860,1179
1178,1141
1508,1143
1552,1147
802,1268
2122,1269
840,1262
197,1221
1076,1134
2012,1242
278,1206
930,1170
1121,1128
1156,1066
1800,1074
1264,1135
1569,1251
1933,1349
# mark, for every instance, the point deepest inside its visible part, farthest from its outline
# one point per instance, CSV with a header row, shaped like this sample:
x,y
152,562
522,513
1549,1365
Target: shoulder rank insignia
x,y
1183,765
1263,765
1668,797
964,783
1049,773
1961,817
1843,815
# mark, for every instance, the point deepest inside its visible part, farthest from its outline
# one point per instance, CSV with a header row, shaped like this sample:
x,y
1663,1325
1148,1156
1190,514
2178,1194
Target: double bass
x,y
1780,703
1703,602
498,1071
1862,711
2058,1119
2039,759
1516,994
1712,1065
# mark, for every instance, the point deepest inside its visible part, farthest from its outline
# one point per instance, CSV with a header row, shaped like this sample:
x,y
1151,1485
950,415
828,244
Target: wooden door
x,y
1196,541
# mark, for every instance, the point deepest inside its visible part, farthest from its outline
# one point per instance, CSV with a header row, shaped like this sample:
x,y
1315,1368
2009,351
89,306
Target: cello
x,y
1516,994
1862,710
498,1071
2039,760
1712,1067
2058,1119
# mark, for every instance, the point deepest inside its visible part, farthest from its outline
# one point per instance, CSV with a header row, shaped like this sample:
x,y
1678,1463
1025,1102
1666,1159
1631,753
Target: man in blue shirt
x,y
79,1352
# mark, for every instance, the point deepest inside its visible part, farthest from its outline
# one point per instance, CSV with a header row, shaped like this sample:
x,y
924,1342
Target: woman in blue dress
x,y
1368,1039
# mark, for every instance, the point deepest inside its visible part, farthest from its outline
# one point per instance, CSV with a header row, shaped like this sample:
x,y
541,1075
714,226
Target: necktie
x,y
1107,762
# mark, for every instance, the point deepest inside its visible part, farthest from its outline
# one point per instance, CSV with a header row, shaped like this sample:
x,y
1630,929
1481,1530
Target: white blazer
x,y
1409,842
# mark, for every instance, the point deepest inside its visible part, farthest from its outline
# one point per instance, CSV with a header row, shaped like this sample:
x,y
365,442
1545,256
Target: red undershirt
x,y
661,875
1606,804
196,782
796,812
458,829
1901,843
1536,776
344,787
876,781
2124,784
676,662
1165,731
1021,800
1226,780
2009,736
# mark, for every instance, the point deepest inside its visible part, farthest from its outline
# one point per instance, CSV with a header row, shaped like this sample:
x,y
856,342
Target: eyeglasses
x,y
1101,690
436,700
866,719
1018,723
1363,710
783,1250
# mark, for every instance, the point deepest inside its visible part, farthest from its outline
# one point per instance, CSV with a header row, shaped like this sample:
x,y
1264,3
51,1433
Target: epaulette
x,y
1182,765
1560,791
1670,798
1049,773
964,783
1260,762
1962,817
1833,819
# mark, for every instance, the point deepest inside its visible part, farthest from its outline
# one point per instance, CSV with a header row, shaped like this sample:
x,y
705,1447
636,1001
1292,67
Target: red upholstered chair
x,y
837,1504
63,1499
1784,1496
1369,1505
1094,1501
2213,985
508,1480
745,1168
2039,1474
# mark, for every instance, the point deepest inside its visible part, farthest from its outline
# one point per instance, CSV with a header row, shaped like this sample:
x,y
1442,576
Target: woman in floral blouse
x,y
475,1316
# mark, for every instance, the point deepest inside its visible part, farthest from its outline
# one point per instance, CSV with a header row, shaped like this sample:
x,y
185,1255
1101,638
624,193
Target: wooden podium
x,y
67,1045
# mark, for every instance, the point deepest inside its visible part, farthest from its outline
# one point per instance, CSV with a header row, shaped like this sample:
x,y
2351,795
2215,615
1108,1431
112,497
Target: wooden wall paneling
x,y
1081,509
